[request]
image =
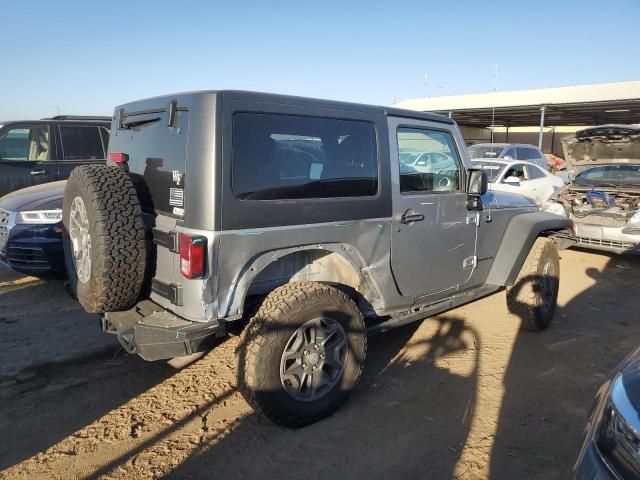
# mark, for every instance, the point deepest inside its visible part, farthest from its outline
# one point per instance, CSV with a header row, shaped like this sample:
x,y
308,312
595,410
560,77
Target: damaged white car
x,y
603,200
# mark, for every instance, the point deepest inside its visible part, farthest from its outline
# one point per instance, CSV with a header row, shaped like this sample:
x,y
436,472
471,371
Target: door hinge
x,y
473,218
470,262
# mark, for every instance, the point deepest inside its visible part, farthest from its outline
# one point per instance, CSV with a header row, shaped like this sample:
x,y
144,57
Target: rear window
x,y
287,157
81,143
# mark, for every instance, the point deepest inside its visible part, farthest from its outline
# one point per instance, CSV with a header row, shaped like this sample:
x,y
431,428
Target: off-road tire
x,y
524,299
264,340
118,249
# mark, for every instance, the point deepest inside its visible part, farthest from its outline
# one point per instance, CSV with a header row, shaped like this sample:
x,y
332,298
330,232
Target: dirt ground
x,y
462,395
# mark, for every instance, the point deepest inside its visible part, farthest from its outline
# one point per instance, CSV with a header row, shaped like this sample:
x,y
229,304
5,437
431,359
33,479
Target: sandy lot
x,y
462,395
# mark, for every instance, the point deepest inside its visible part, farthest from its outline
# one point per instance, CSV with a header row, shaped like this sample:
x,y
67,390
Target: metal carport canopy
x,y
596,104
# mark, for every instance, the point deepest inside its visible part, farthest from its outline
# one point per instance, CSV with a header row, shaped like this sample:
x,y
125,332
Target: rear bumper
x,y
34,249
154,333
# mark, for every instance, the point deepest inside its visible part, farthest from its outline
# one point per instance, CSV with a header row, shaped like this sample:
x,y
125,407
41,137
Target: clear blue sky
x,y
85,57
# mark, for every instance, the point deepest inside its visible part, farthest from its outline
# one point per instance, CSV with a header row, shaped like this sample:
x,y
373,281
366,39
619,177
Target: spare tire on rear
x,y
104,240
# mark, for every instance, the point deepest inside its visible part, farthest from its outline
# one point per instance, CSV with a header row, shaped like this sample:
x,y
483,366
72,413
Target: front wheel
x,y
534,295
302,353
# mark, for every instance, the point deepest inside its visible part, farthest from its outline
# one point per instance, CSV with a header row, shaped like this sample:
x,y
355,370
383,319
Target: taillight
x,y
192,256
118,157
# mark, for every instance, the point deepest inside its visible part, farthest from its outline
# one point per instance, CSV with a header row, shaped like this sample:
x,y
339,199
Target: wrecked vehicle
x,y
603,200
299,217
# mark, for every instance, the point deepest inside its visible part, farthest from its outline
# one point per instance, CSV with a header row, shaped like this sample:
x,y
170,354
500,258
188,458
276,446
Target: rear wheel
x,y
302,353
534,295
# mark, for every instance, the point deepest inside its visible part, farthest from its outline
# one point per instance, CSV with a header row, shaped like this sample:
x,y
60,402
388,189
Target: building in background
x,y
538,116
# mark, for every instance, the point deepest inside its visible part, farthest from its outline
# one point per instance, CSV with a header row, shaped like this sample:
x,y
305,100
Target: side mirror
x,y
477,182
513,181
507,157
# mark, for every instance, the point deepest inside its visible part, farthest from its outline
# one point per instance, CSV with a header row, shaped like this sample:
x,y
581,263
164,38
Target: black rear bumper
x,y
154,333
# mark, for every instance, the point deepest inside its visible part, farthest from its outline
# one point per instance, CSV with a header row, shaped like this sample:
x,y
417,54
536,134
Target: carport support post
x,y
542,109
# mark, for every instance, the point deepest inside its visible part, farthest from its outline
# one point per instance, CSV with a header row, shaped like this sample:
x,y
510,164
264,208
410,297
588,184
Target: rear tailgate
x,y
153,134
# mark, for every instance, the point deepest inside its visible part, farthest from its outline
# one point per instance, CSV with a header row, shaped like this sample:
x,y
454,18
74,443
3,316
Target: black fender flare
x,y
518,238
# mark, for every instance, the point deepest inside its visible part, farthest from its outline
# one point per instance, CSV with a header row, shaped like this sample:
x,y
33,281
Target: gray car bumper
x,y
610,239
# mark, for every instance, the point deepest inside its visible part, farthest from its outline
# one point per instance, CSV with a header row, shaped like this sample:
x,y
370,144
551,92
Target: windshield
x,y
610,175
484,151
493,170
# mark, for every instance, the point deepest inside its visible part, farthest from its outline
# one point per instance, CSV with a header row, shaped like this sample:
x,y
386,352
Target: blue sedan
x,y
31,229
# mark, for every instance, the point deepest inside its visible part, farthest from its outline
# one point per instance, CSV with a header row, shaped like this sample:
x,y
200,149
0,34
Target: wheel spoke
x,y
329,332
80,239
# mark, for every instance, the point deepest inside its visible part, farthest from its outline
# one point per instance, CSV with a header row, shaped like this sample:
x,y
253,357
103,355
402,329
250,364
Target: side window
x,y
25,143
534,173
81,143
516,170
525,153
429,161
288,156
511,153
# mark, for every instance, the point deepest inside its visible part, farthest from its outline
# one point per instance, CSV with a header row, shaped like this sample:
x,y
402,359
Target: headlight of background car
x,y
39,217
618,438
556,208
633,225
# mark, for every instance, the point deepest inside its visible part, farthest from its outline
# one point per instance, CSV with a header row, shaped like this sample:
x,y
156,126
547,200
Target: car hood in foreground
x,y
603,145
47,196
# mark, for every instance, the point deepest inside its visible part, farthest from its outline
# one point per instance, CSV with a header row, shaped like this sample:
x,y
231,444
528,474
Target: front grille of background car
x,y
4,229
601,220
27,257
605,243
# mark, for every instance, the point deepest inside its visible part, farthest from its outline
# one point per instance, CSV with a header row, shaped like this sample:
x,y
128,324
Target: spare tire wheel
x,y
104,239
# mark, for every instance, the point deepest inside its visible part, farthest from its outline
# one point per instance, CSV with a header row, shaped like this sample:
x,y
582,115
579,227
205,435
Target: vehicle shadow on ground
x,y
400,375
39,324
552,377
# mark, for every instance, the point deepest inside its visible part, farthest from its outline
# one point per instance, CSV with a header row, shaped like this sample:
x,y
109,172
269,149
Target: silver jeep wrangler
x,y
317,222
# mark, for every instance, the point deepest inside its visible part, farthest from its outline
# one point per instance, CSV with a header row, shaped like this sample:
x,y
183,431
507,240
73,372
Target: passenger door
x,y
25,157
80,145
434,234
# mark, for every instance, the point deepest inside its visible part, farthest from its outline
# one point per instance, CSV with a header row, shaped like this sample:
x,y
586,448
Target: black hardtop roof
x,y
261,97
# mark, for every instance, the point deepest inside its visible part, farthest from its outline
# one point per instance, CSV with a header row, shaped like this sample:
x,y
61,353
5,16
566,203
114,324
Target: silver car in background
x,y
603,200
508,152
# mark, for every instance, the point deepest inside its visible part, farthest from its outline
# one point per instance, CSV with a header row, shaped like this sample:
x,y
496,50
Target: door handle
x,y
411,217
39,172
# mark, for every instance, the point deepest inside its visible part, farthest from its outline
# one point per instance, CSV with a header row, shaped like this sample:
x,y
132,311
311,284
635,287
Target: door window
x,y
534,173
516,170
105,138
25,143
81,143
511,154
429,161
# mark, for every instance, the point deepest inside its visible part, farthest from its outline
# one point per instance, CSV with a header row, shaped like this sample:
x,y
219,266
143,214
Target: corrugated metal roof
x,y
617,102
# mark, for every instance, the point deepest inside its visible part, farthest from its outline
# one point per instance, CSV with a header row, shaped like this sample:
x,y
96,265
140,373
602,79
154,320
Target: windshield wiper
x,y
128,125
